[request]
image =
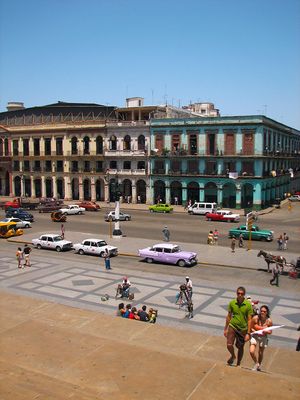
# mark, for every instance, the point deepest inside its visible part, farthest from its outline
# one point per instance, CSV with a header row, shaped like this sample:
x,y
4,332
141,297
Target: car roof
x,y
166,245
51,234
94,240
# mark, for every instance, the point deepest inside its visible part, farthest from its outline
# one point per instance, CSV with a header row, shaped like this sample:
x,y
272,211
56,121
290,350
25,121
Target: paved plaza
x,y
82,283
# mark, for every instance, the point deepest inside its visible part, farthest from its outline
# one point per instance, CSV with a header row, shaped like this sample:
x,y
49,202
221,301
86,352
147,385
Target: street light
x,y
116,191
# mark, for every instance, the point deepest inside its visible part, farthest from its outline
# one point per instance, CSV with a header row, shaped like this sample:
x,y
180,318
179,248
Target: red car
x,y
89,205
223,215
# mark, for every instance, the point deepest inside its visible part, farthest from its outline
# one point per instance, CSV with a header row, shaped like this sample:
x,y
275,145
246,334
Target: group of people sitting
x,y
140,315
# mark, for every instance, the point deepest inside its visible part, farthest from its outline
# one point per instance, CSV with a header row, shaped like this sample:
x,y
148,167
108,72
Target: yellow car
x,y
161,207
9,229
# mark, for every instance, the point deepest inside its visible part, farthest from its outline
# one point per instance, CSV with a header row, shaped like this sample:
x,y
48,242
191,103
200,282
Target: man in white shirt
x,y
189,286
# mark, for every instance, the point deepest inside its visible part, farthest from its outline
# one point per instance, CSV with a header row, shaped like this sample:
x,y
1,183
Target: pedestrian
x,y
232,245
143,314
258,322
189,286
285,239
62,228
176,201
19,255
280,243
241,240
216,236
238,325
139,199
27,251
107,259
166,234
275,274
210,238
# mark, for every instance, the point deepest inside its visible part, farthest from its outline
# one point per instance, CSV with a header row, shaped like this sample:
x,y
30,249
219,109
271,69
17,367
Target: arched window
x,y
99,145
127,142
113,143
141,142
86,145
74,142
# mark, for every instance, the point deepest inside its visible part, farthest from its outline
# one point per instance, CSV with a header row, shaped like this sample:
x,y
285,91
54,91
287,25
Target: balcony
x,y
159,171
82,153
125,153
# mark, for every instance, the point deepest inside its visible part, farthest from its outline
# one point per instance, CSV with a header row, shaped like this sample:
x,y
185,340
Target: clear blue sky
x,y
242,55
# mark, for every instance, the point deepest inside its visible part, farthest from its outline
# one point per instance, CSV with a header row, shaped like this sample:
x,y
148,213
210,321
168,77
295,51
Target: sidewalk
x,y
214,255
53,351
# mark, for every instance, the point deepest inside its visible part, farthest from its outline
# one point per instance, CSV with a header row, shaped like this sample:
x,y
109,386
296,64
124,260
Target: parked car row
x,y
166,253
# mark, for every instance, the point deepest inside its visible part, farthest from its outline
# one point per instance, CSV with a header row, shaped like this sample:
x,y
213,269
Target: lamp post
x,y
116,191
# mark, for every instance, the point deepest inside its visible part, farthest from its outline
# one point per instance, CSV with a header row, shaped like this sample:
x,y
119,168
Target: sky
x,y
241,55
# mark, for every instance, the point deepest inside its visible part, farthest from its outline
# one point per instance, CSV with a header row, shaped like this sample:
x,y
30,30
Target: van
x,y
202,208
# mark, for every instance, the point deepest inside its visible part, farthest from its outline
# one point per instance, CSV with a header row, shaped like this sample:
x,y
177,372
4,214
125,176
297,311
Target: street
x,y
183,227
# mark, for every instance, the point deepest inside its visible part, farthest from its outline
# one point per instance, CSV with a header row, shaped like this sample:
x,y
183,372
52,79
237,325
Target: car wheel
x,y
181,263
149,260
151,210
208,219
65,213
126,219
58,249
81,252
264,239
38,246
80,212
26,226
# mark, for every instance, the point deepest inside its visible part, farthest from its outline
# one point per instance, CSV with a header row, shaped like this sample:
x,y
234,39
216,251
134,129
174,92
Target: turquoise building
x,y
238,161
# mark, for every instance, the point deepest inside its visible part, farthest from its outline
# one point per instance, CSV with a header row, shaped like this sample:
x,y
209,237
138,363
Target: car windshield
x,y
57,238
102,243
176,249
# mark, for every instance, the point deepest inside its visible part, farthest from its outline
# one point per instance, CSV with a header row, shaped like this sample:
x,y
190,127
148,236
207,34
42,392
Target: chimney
x,y
15,105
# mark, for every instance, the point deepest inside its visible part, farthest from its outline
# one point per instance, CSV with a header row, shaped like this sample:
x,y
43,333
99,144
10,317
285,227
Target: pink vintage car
x,y
169,254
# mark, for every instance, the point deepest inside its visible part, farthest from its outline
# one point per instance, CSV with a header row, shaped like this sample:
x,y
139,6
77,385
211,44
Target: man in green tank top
x,y
238,325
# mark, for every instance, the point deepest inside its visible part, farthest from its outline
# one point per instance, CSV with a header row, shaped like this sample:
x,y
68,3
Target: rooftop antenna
x,y
179,102
265,108
152,96
165,95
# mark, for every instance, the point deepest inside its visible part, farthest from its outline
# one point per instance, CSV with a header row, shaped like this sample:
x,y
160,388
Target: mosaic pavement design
x,y
83,287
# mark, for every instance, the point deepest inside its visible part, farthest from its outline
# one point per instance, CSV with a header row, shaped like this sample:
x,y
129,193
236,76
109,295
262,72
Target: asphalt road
x,y
183,227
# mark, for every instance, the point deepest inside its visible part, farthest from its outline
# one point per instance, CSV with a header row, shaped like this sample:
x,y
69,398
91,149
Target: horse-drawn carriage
x,y
292,268
58,216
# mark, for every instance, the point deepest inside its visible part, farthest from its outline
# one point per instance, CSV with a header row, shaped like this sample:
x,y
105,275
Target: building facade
x,y
146,153
237,162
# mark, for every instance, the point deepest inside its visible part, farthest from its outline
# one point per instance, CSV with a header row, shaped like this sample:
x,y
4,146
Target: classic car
x,y
19,213
52,242
96,247
9,229
72,209
294,197
256,233
89,205
168,253
19,223
111,216
222,215
47,207
161,207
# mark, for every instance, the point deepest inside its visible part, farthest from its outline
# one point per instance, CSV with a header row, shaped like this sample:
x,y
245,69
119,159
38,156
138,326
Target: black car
x,y
19,213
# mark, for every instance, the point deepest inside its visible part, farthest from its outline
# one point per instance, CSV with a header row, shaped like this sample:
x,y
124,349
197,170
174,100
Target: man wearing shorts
x,y
26,252
238,325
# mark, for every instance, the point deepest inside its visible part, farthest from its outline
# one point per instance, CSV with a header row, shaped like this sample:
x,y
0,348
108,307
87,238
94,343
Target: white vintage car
x,y
96,247
72,209
52,241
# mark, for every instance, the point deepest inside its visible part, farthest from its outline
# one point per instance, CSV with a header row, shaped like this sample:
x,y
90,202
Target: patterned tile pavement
x,y
82,286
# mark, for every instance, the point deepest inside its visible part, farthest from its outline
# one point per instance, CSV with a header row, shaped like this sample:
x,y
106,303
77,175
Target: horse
x,y
271,259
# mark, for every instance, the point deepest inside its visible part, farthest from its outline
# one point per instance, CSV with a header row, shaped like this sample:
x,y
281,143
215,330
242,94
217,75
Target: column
x,y
80,188
220,195
148,193
54,187
168,192
238,196
93,189
184,193
43,186
201,192
11,186
67,188
33,194
133,193
257,197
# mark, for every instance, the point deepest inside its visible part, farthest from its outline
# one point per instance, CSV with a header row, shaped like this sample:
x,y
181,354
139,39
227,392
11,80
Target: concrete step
x,y
56,352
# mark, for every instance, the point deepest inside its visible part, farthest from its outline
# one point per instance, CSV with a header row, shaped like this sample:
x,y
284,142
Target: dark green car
x,y
256,233
161,207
